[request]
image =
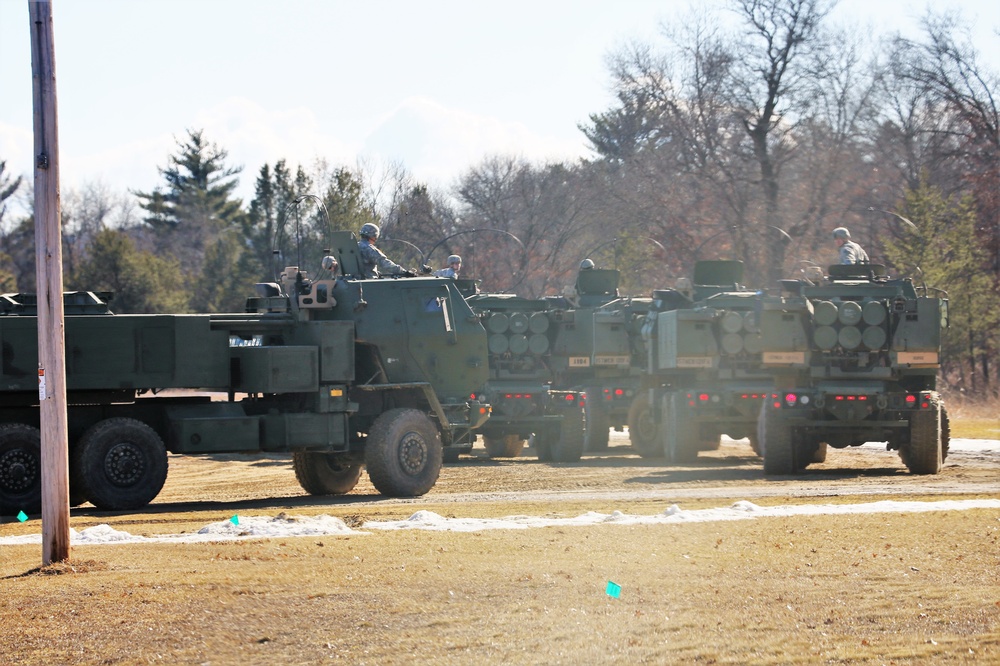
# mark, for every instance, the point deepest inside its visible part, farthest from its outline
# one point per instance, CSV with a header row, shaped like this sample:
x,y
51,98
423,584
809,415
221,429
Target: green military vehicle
x,y
855,355
704,372
519,390
339,371
598,349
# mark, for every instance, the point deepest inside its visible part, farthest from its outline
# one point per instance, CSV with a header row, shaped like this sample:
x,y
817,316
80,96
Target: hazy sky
x,y
434,84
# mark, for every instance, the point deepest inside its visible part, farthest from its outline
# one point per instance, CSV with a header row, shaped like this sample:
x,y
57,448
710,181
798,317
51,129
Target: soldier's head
x,y
841,235
455,262
586,265
369,231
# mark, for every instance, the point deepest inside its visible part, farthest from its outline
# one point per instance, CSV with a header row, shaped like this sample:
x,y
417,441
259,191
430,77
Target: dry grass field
x,y
881,588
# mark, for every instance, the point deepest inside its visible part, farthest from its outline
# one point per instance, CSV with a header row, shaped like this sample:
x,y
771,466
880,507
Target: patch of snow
x,y
283,525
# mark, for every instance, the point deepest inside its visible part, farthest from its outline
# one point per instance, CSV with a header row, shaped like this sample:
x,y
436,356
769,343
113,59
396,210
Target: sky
x,y
432,85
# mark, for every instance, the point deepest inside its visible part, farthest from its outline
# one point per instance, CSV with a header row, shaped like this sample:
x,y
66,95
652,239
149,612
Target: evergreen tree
x,y
8,187
944,255
142,282
197,206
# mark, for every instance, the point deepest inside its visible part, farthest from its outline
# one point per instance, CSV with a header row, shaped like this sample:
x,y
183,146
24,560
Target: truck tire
x,y
924,454
642,431
403,453
777,443
542,444
20,469
945,433
680,444
755,444
597,423
121,463
568,447
505,446
322,473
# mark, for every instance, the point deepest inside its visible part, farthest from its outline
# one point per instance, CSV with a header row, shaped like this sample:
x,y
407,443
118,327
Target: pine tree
x,y
197,205
943,253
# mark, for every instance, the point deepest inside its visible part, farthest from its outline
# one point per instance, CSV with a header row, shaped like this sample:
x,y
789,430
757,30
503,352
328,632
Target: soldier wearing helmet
x,y
586,264
454,266
374,263
850,252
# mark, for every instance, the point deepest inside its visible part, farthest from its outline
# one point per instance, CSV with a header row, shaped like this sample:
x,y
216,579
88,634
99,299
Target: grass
x,y
865,589
853,589
973,419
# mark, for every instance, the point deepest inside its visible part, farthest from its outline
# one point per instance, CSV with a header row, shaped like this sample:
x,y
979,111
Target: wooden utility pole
x,y
48,271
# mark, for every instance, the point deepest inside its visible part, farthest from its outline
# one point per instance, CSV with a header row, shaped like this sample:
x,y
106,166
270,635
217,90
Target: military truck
x,y
519,390
339,371
855,355
704,373
598,349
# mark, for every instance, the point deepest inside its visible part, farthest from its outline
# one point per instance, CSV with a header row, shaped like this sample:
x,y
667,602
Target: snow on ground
x,y
283,525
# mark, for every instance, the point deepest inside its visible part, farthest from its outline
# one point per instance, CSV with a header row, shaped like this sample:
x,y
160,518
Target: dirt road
x,y
732,472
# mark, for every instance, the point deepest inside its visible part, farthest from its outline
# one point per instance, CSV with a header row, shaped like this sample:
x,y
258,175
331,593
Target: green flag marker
x,y
613,590
235,520
22,516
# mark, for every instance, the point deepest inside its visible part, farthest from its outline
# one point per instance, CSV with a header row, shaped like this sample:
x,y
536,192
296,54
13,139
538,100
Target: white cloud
x,y
436,143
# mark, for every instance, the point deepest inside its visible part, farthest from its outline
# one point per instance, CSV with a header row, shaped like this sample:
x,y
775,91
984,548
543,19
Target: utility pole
x,y
48,271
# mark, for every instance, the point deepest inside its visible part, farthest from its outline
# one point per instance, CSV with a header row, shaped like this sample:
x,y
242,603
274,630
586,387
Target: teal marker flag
x,y
235,520
613,590
22,516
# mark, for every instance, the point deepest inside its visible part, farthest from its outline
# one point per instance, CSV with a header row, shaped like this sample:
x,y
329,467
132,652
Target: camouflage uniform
x,y
450,271
374,263
850,252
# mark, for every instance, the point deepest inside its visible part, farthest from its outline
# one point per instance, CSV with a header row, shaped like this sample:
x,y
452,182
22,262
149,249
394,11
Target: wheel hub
x,y
18,470
124,464
412,453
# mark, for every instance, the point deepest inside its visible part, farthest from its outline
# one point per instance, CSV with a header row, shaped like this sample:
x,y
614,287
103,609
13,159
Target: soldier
x,y
850,252
374,263
454,266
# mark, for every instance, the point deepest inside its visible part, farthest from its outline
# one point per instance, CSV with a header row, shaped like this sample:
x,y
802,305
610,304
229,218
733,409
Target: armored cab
x,y
520,387
856,357
341,372
598,349
704,374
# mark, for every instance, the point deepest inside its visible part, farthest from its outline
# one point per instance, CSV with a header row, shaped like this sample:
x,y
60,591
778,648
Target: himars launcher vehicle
x,y
598,349
520,387
855,356
341,372
704,372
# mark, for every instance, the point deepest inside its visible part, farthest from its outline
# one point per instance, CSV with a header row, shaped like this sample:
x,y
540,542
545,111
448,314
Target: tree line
x,y
751,144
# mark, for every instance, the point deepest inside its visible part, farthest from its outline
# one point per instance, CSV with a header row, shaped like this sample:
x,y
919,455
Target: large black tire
x,y
505,446
642,430
403,453
755,444
925,453
597,423
121,464
778,445
568,446
20,469
945,433
322,473
680,442
542,443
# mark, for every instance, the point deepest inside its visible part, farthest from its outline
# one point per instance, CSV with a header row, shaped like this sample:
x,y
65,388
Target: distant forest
x,y
751,144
